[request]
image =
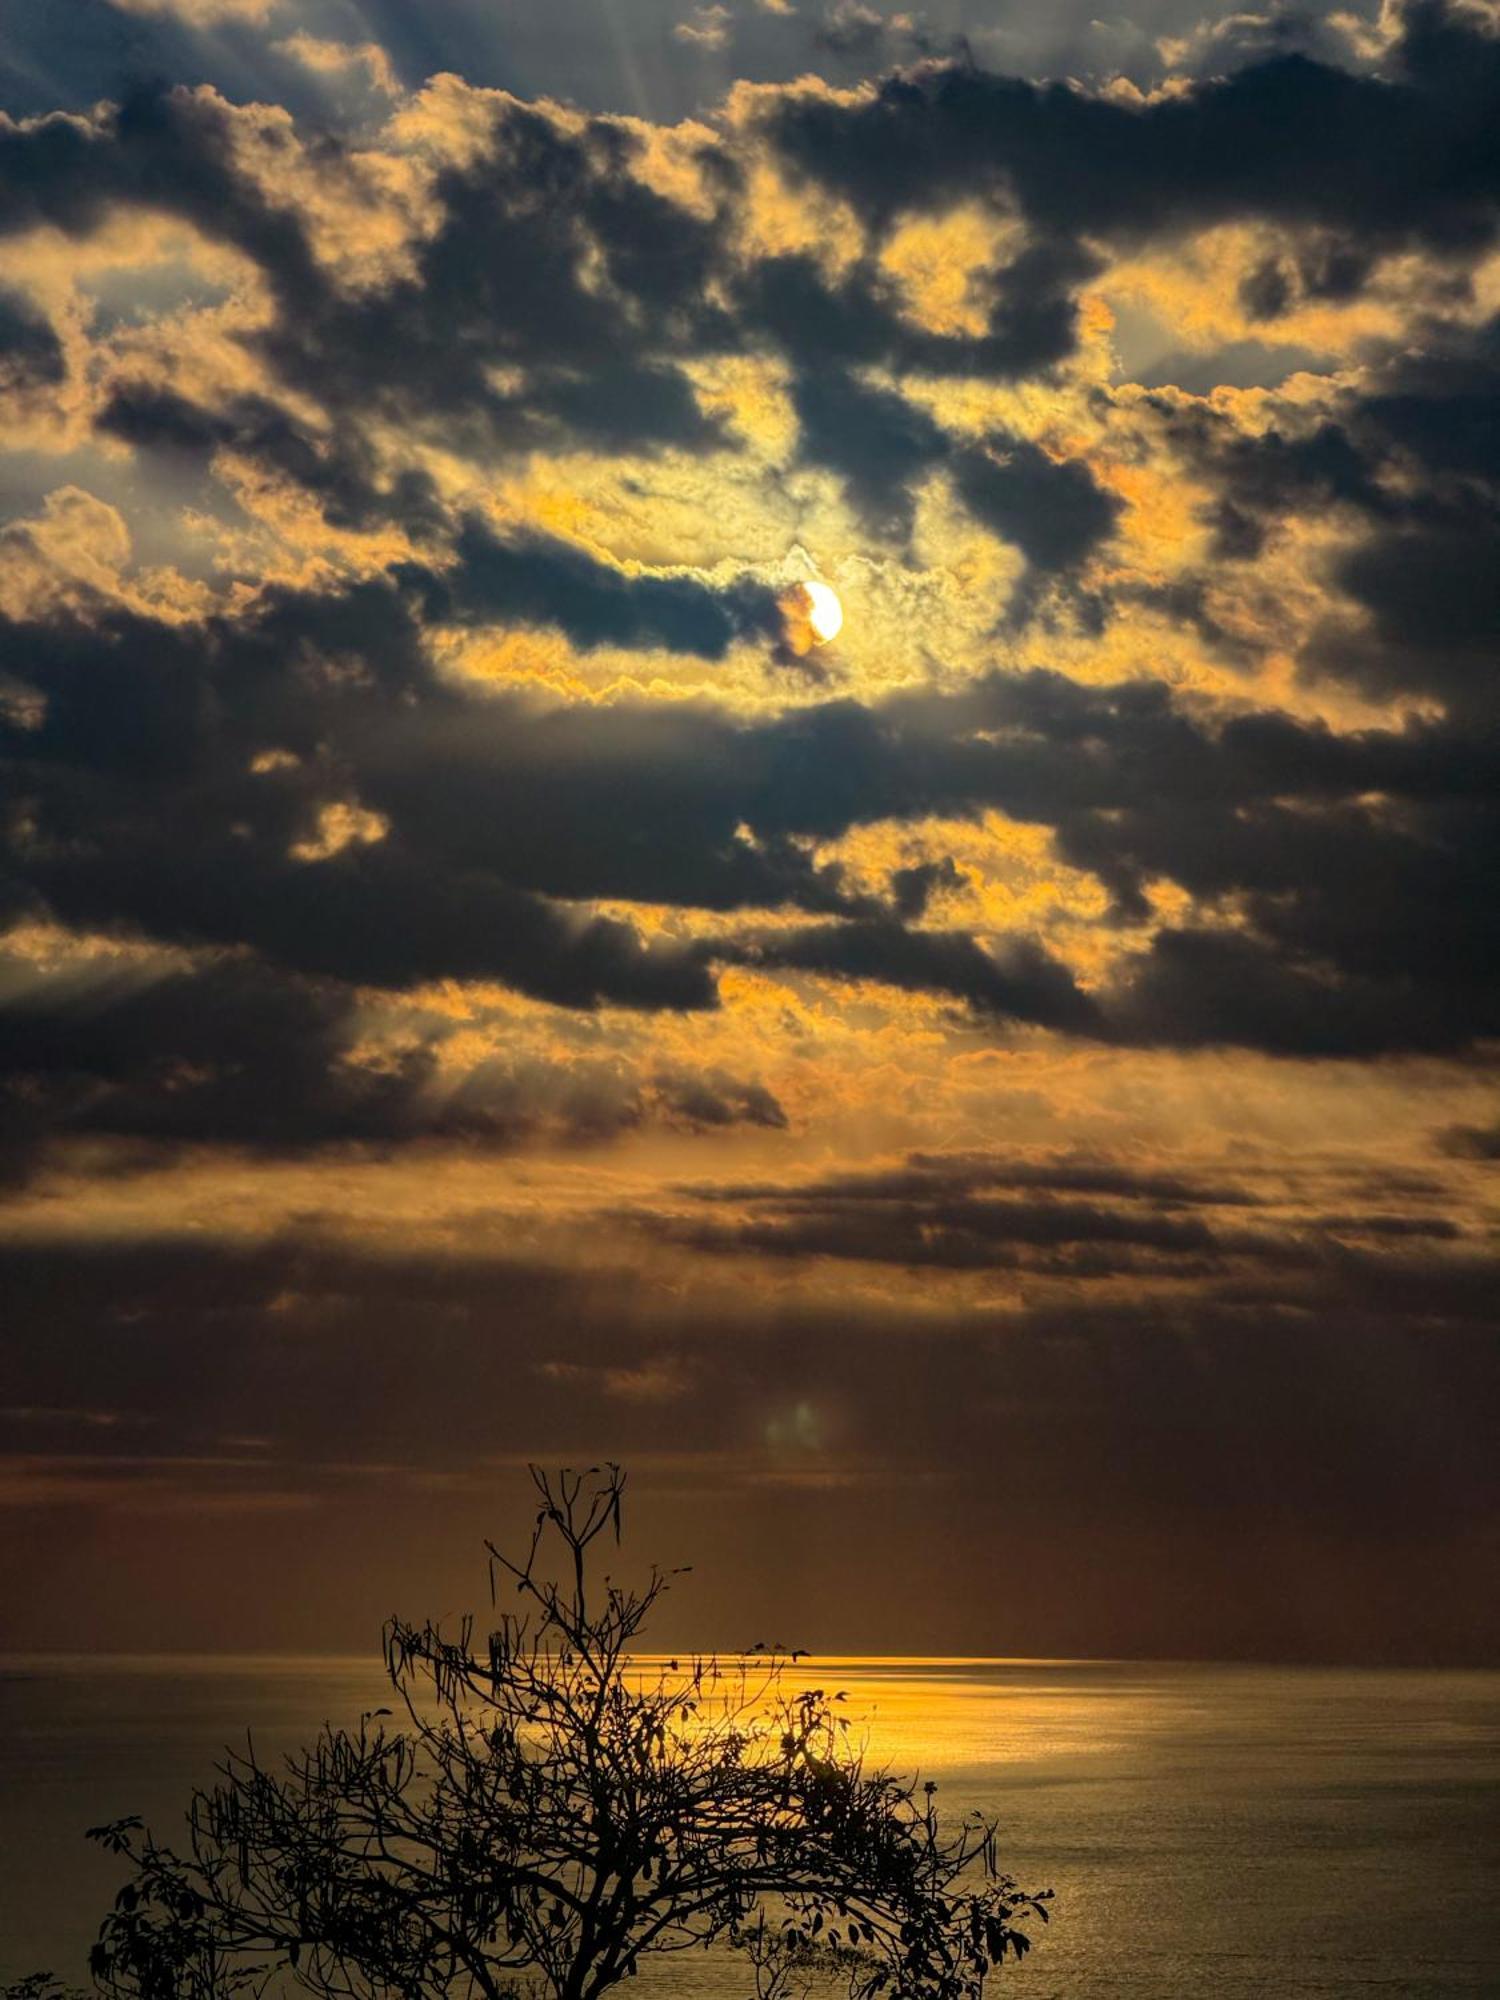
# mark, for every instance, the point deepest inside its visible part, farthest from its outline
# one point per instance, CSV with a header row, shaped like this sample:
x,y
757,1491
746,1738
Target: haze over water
x,y
1209,1830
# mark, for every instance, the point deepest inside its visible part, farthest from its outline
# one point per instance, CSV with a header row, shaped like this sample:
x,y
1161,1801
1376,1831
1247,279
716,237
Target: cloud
x,y
534,581
1038,1052
339,469
1471,1142
1352,1393
1071,1218
883,446
856,317
202,13
1054,512
1019,981
1400,159
1199,988
31,354
224,1052
965,1215
913,887
151,1053
1357,922
705,28
880,444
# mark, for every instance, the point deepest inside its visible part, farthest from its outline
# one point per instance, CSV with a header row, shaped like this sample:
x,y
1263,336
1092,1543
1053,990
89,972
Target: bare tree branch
x,y
553,1808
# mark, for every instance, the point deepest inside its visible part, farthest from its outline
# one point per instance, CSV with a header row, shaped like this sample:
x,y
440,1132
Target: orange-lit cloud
x,y
469,924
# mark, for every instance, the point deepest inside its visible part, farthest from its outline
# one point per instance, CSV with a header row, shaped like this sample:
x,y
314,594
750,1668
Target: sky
x,y
991,1116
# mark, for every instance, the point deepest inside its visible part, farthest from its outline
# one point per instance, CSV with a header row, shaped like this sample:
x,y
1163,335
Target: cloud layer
x,y
428,849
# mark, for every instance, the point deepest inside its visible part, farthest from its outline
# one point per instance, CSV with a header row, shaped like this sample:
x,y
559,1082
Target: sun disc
x,y
825,614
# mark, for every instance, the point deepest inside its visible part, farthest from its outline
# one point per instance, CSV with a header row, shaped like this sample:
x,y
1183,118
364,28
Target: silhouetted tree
x,y
547,1808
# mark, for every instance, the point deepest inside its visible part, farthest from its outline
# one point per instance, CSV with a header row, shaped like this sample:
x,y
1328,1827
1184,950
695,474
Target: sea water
x,y
1209,1830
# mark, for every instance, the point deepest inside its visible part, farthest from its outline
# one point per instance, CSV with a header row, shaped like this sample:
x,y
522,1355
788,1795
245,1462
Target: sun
x,y
811,616
825,615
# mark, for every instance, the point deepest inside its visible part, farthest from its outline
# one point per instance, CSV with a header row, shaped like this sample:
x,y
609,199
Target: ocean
x,y
1209,1830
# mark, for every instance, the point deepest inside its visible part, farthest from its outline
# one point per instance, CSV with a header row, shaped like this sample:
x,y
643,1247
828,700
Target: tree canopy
x,y
544,1808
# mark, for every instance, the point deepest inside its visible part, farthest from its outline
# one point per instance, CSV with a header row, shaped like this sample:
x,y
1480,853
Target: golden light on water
x,y
535,924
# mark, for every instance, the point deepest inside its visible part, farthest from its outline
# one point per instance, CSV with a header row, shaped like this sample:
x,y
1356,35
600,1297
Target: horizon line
x,y
164,1658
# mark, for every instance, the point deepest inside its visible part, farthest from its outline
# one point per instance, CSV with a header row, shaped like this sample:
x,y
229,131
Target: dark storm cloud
x,y
374,914
1471,1142
1406,160
170,151
141,724
144,725
1074,1217
1065,1238
1354,869
1363,923
30,352
914,887
1409,157
1441,403
548,796
935,1175
1424,576
624,285
1413,444
1196,988
1341,882
1266,477
534,580
636,63
1353,167
883,446
539,200
1409,463
714,1099
1054,512
338,470
597,348
617,295
229,1053
599,363
1432,597
1216,46
855,319
1019,981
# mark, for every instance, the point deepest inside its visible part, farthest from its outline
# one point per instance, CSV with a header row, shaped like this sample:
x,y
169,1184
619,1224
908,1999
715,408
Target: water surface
x,y
1210,1831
